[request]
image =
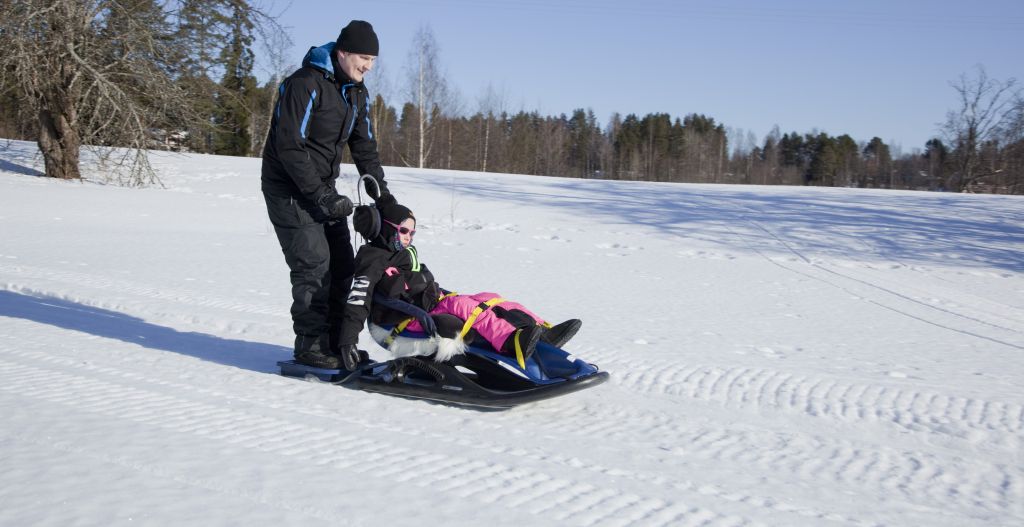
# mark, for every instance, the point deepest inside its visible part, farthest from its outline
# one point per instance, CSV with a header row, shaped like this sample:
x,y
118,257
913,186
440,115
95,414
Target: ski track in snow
x,y
111,393
892,299
680,435
764,390
256,421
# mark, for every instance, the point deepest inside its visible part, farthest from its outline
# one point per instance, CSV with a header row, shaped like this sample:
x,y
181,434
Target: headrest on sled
x,y
366,220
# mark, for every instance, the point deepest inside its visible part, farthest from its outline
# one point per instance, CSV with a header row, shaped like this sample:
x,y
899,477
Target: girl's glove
x,y
351,356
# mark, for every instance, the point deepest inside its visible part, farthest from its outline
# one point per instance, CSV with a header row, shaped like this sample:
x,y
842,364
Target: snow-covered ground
x,y
778,356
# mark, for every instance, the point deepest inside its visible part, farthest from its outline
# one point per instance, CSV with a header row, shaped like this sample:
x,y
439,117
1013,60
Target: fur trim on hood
x,y
441,348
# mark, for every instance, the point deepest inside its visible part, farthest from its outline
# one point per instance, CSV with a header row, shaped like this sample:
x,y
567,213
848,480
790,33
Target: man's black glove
x,y
385,199
429,327
335,206
352,356
375,187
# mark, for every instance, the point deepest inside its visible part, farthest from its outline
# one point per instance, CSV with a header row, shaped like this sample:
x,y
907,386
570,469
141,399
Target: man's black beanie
x,y
358,37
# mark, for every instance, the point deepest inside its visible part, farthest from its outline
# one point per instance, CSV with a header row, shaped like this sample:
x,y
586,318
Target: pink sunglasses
x,y
402,230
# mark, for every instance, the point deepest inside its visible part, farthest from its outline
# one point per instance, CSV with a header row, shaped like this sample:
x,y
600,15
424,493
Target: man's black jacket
x,y
318,111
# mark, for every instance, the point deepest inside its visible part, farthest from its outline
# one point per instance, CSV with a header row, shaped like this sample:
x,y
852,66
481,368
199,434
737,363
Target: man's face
x,y
355,65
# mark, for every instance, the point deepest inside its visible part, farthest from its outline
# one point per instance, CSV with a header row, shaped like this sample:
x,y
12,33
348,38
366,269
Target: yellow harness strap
x,y
519,350
483,306
397,330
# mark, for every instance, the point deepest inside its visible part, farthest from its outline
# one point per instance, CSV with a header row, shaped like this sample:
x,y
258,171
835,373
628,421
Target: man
x,y
320,108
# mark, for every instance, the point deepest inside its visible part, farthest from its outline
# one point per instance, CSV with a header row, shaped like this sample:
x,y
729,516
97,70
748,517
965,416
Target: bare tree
x,y
275,45
491,104
382,118
103,73
1013,137
91,71
975,126
449,113
428,90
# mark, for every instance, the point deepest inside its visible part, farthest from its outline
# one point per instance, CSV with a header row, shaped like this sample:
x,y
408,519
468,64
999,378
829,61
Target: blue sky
x,y
867,68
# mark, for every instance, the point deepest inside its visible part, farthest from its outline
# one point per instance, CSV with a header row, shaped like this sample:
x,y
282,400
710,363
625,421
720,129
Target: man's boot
x,y
312,351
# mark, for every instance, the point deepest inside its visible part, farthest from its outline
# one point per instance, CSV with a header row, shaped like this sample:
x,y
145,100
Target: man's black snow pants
x,y
320,257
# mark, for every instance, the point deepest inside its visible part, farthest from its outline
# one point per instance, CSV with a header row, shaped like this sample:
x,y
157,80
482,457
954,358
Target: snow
x,y
778,356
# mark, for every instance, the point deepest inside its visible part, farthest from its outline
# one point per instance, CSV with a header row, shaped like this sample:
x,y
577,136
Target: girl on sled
x,y
389,265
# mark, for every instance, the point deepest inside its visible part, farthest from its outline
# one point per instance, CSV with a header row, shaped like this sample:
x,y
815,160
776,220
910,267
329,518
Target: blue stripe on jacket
x,y
280,95
369,129
305,118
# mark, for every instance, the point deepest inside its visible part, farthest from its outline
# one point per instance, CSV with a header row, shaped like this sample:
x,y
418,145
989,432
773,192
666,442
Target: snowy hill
x,y
778,356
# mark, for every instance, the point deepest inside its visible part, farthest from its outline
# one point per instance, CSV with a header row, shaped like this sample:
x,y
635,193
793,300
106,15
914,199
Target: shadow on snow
x,y
851,224
7,166
113,325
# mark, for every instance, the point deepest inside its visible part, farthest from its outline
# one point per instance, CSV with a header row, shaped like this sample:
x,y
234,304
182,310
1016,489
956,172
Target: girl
x,y
389,265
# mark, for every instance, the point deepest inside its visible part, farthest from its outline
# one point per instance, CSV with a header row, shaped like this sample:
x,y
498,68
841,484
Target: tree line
x,y
147,74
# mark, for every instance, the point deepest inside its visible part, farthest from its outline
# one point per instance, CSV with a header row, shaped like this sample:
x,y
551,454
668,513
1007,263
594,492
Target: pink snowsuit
x,y
490,326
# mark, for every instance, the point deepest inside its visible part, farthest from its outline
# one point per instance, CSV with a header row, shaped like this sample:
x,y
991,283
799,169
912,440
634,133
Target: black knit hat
x,y
358,37
396,213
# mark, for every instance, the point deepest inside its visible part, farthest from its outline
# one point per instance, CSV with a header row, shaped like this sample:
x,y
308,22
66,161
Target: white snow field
x,y
778,356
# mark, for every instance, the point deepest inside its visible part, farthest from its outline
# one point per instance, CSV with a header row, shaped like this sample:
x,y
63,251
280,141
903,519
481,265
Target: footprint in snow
x,y
551,237
618,247
705,255
474,226
770,353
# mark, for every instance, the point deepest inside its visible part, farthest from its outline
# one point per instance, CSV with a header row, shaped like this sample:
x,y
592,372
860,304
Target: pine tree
x,y
203,28
582,150
878,163
824,161
236,96
847,157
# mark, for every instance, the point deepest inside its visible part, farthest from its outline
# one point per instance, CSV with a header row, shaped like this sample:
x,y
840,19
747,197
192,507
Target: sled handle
x,y
359,202
359,188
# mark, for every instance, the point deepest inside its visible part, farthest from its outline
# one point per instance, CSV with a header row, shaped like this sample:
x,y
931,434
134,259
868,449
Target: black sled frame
x,y
478,379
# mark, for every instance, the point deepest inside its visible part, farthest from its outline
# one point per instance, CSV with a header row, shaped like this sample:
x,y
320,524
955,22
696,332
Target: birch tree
x,y
491,104
427,90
